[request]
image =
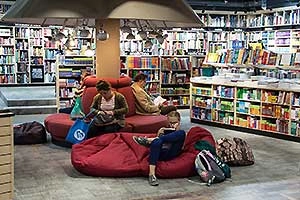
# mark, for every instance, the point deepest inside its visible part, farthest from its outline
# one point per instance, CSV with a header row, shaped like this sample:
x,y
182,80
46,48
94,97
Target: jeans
x,y
174,142
99,130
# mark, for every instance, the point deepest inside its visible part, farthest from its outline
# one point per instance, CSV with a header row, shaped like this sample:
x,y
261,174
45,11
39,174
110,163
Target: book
x,y
159,100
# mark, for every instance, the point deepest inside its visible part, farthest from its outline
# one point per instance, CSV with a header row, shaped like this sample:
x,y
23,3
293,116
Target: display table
x,y
6,155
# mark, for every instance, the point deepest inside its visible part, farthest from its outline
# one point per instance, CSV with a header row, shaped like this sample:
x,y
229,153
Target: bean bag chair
x,y
117,155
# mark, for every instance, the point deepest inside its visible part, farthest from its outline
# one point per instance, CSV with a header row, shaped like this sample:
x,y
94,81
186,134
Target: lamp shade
x,y
174,13
102,35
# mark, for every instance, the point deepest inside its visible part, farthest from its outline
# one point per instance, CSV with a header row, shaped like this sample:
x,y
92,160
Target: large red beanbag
x,y
117,155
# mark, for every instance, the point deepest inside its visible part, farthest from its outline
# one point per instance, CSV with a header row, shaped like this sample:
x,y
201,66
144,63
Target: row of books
x,y
176,78
142,62
7,78
175,64
152,75
253,56
69,72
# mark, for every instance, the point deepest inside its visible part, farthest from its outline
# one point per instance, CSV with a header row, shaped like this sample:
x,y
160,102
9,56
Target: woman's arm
x,y
121,106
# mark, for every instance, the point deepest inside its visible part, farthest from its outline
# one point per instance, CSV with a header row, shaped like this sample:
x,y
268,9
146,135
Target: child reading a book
x,y
166,146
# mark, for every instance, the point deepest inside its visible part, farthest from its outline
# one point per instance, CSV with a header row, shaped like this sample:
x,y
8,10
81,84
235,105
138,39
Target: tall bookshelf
x,y
51,50
175,80
7,55
22,54
68,71
37,54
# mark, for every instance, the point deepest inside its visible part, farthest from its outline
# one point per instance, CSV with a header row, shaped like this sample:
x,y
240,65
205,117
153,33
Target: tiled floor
x,y
44,172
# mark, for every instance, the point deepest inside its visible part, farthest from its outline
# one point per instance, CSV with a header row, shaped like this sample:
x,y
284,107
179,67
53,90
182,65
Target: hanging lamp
x,y
176,13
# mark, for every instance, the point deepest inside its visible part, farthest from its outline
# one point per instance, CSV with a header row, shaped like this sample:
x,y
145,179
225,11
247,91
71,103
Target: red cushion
x,y
58,125
116,83
124,81
117,155
130,99
87,98
140,123
92,81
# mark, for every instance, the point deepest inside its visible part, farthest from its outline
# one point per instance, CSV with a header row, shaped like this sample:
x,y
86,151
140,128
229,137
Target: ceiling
x,y
239,5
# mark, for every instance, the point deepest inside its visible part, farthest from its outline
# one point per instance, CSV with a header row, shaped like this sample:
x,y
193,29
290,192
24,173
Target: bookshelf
x,y
148,65
247,105
175,80
7,55
36,52
22,54
69,70
51,50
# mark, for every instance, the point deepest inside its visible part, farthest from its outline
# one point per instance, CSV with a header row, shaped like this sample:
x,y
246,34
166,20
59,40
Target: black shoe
x,y
141,141
153,180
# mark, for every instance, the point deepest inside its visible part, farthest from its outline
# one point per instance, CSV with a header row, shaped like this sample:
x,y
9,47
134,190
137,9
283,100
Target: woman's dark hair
x,y
140,77
103,85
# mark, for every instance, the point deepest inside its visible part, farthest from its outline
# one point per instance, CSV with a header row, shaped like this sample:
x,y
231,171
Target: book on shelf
x,y
297,59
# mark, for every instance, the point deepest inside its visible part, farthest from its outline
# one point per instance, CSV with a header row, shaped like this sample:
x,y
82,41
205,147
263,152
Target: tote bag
x,y
78,131
77,109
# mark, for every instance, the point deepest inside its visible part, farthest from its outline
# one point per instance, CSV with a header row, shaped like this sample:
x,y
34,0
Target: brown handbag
x,y
235,152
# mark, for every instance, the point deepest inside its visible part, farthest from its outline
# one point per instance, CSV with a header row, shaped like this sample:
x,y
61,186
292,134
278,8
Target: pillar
x,y
108,51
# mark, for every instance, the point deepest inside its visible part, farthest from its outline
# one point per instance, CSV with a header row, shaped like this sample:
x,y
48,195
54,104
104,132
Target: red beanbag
x,y
117,155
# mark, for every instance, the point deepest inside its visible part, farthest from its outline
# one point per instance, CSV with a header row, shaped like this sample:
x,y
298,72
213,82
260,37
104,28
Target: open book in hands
x,y
164,131
159,100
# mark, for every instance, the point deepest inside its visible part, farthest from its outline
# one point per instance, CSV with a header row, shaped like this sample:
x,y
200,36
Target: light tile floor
x,y
44,172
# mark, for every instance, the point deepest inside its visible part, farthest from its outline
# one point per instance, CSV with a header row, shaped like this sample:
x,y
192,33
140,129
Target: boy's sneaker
x,y
141,141
153,180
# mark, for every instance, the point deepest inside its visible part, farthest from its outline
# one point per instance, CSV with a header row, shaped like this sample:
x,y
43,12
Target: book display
x,y
272,108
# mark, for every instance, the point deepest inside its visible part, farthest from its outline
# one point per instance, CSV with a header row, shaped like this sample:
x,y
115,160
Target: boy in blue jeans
x,y
167,145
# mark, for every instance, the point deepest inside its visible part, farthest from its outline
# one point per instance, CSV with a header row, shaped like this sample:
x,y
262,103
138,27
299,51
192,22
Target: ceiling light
x,y
152,34
126,29
84,32
160,39
142,34
89,52
102,35
58,35
148,44
130,36
70,43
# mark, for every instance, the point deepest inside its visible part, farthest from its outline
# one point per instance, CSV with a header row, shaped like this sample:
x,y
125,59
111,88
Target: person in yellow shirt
x,y
143,102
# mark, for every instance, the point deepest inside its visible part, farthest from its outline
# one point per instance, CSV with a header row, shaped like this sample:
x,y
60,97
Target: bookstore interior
x,y
241,69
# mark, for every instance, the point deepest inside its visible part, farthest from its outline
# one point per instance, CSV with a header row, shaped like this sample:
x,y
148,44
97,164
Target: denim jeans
x,y
173,141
